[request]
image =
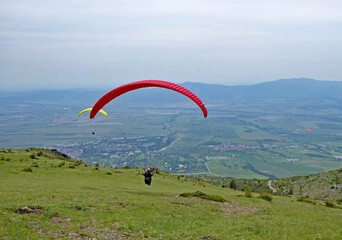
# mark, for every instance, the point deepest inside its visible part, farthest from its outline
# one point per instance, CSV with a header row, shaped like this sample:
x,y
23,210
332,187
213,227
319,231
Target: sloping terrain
x,y
322,185
44,195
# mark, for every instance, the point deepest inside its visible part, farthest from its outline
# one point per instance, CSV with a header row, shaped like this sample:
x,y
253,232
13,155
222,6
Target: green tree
x,y
232,184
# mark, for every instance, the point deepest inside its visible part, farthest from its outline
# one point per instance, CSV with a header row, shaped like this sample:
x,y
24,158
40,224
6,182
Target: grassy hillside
x,y
68,199
322,185
258,186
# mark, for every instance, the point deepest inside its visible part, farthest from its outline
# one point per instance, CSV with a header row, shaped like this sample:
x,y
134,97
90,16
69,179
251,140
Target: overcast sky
x,y
64,44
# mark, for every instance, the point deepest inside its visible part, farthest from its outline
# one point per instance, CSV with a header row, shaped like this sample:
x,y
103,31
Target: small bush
x,y
157,171
72,166
290,192
339,201
203,195
248,193
301,199
265,196
126,167
27,169
33,156
306,199
8,159
109,173
40,153
97,165
34,164
78,162
329,204
232,184
96,168
61,164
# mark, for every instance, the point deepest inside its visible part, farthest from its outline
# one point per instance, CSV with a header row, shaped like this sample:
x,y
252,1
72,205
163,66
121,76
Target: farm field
x,y
242,139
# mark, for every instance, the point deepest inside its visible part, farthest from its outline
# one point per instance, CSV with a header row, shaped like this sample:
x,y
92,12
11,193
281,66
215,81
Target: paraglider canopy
x,y
144,84
89,109
308,130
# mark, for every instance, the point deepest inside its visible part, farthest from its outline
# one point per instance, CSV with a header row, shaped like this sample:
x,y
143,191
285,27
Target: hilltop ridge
x,y
294,88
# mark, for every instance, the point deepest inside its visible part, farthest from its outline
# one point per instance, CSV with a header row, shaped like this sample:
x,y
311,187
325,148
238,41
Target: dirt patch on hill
x,y
60,220
233,208
29,210
229,208
86,232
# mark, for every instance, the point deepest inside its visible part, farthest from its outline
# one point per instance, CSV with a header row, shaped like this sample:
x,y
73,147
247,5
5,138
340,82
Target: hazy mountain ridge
x,y
296,89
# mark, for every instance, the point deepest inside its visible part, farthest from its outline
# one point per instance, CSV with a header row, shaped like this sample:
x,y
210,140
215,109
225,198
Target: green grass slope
x,y
321,186
43,195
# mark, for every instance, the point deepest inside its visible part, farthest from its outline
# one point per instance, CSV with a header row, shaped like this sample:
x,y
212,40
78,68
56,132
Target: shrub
x,y
108,173
78,162
339,201
232,184
265,196
306,199
32,155
72,166
203,195
39,153
126,167
291,191
34,164
301,199
96,168
329,203
157,171
61,164
248,193
27,169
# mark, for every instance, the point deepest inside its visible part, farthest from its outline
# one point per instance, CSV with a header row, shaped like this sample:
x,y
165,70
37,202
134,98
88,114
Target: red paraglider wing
x,y
144,84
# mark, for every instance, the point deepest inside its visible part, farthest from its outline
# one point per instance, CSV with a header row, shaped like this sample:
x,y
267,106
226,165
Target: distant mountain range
x,y
295,89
